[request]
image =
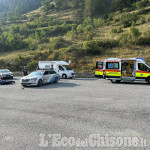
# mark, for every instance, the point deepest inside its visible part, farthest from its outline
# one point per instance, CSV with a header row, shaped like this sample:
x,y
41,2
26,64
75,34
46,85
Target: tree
x,y
17,13
61,4
94,7
18,7
47,5
88,11
121,4
43,35
9,16
76,4
134,31
37,35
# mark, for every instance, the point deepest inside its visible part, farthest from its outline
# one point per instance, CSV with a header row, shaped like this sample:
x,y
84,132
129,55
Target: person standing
x,y
25,71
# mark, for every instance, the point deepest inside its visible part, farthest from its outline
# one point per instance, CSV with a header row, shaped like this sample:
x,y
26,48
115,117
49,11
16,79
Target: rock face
x,y
78,74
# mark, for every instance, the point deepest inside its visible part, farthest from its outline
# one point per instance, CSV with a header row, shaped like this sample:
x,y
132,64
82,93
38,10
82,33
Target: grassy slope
x,y
101,33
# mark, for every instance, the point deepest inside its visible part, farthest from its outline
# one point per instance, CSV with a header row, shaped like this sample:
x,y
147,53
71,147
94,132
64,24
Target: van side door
x,y
46,77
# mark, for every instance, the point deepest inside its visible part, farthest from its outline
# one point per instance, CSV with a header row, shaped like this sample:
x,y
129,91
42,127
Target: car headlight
x,y
34,79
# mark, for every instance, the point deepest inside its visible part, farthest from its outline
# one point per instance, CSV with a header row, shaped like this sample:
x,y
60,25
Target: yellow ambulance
x,y
131,69
99,68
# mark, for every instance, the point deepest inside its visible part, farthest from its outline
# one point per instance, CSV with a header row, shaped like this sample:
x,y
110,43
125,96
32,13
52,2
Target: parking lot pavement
x,y
75,108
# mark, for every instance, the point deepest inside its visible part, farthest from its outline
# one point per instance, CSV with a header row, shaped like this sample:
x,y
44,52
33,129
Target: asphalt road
x,y
73,108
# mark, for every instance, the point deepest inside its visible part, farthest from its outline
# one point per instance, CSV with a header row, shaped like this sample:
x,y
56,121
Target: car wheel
x,y
148,80
113,81
64,76
56,80
40,83
24,85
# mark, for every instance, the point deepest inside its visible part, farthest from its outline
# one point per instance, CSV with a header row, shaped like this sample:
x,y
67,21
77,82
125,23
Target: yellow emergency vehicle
x,y
132,69
99,68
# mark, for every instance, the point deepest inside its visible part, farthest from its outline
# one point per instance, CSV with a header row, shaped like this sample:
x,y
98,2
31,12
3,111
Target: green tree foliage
x,y
43,31
92,47
134,31
11,40
47,5
94,7
17,7
121,4
61,4
142,4
127,19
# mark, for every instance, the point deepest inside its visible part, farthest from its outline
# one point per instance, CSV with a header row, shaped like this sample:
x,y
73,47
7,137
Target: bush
x,y
98,22
124,38
134,31
142,4
31,43
127,19
2,64
144,40
92,47
59,30
117,30
141,20
132,37
18,63
95,47
108,43
148,19
32,65
58,42
32,46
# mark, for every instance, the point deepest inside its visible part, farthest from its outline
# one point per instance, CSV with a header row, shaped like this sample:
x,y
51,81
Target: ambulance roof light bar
x,y
140,58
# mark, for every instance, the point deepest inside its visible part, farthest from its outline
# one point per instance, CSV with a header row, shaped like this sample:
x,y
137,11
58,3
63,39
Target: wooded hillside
x,y
80,30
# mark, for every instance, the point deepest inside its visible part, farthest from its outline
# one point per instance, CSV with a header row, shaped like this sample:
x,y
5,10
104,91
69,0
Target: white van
x,y
61,67
131,69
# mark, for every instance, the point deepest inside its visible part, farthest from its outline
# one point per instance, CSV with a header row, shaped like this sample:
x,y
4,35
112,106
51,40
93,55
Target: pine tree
x,y
94,7
88,11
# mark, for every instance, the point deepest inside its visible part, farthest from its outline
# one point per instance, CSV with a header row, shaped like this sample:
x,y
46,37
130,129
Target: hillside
x,y
14,7
67,30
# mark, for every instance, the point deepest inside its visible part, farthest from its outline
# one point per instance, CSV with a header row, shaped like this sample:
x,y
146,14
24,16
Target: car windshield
x,y
148,66
4,71
36,73
67,67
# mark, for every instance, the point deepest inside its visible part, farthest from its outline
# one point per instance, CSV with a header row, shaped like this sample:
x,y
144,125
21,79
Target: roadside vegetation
x,y
80,30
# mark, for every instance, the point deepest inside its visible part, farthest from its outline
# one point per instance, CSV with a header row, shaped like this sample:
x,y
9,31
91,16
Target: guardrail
x,y
77,74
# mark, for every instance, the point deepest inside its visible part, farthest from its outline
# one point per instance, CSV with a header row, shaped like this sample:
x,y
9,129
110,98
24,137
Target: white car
x,y
5,74
40,77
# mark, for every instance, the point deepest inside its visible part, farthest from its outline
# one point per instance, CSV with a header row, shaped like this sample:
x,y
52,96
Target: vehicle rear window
x,y
99,65
52,72
112,65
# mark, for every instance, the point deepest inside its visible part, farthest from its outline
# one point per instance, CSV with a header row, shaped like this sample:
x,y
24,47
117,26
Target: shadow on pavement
x,y
133,83
56,85
15,79
75,79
